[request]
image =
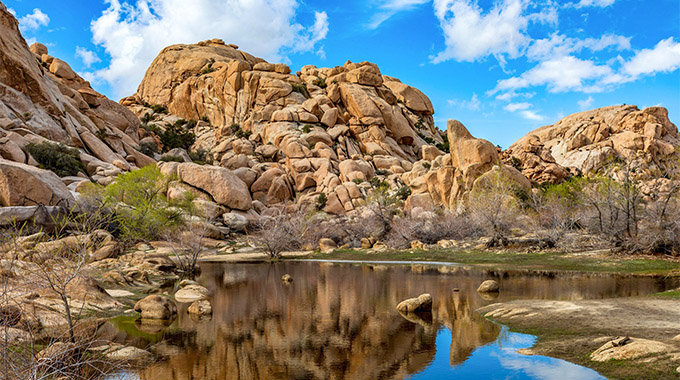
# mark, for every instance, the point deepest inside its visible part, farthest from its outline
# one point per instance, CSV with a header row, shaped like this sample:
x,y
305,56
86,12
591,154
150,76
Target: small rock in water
x,y
287,278
200,308
191,293
422,303
184,283
489,286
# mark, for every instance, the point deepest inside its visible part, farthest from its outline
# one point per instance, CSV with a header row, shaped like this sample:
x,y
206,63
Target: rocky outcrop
x,y
156,307
587,141
25,185
419,304
43,99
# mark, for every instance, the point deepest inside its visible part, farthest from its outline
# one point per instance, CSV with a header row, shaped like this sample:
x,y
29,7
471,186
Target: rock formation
x,y
43,99
585,142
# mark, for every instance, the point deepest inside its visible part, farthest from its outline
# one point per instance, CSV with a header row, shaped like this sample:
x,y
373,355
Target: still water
x,y
338,321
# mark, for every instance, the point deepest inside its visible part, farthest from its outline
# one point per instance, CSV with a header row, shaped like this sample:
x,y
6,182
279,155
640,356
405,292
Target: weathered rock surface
x,y
489,286
156,307
200,308
419,304
585,142
628,349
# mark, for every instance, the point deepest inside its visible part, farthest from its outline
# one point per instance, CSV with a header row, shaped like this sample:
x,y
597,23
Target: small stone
x,y
287,278
327,245
422,303
200,308
489,286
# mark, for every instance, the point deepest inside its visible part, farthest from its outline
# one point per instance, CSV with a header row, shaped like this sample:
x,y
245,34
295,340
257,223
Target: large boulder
x,y
25,185
222,184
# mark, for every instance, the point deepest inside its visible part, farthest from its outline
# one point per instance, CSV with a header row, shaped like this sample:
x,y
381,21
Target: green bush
x,y
62,160
321,201
321,82
403,192
156,108
201,156
177,135
306,128
141,210
148,148
205,119
171,158
358,181
300,88
381,172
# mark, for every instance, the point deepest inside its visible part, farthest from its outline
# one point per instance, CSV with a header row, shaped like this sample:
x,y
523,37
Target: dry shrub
x,y
430,228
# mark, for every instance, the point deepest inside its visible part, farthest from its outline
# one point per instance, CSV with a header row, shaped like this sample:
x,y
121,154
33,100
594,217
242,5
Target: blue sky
x,y
502,67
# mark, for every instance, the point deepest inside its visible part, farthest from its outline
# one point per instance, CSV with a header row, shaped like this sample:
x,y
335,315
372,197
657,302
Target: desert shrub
x,y
403,192
381,172
358,180
306,128
148,148
427,139
321,82
239,132
494,209
383,205
205,119
102,134
430,229
171,158
321,201
141,210
200,156
516,163
280,232
156,108
420,124
300,88
62,160
177,135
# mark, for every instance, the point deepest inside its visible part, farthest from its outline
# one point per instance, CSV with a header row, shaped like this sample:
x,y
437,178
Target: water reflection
x,y
338,321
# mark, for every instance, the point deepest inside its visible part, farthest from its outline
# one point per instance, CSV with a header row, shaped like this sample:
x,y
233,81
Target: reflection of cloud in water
x,y
538,367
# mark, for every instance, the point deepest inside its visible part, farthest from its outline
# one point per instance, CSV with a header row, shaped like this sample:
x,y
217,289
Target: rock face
x,y
222,184
586,141
628,349
43,99
156,307
422,303
25,185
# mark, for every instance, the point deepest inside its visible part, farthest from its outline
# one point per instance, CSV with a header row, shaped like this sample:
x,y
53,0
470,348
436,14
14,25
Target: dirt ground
x,y
572,330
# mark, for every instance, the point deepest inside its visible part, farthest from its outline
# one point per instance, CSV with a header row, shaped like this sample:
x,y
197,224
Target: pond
x,y
338,321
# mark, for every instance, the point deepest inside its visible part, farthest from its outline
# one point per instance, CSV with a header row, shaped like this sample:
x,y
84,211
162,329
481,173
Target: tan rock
x,y
156,307
222,184
422,303
488,286
24,185
327,245
200,308
628,349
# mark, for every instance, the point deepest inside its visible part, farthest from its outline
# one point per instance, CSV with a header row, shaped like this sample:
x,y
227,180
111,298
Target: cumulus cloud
x,y
512,107
87,56
33,21
471,34
531,115
474,104
134,34
524,111
561,45
664,57
559,75
388,8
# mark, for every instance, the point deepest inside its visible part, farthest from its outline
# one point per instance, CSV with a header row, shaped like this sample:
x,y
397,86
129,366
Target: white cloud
x,y
33,21
664,57
561,45
87,56
559,75
470,35
592,3
531,115
586,103
134,34
512,107
473,104
388,8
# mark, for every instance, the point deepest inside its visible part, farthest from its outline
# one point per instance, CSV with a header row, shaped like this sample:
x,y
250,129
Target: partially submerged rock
x,y
156,307
191,293
419,304
287,278
489,286
200,308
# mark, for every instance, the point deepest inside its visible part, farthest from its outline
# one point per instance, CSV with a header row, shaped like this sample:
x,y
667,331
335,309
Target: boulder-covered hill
x,y
43,99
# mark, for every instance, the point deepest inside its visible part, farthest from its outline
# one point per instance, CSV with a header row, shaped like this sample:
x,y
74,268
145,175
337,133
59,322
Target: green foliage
x,y
444,146
239,132
427,139
569,191
306,128
321,82
300,88
141,210
427,165
321,201
177,135
377,183
102,134
171,158
516,163
381,172
147,118
420,124
62,160
201,156
156,108
148,148
403,192
358,181
205,119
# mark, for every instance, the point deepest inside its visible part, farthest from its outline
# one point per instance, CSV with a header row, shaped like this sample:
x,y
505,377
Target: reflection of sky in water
x,y
500,361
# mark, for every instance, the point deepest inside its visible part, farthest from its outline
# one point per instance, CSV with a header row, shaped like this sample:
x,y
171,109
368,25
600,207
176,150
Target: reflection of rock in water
x,y
340,322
